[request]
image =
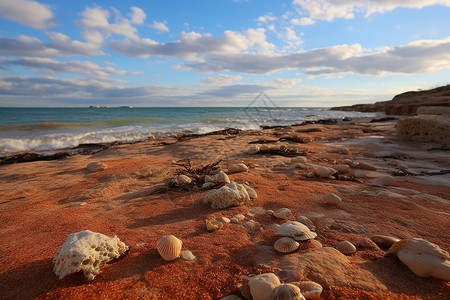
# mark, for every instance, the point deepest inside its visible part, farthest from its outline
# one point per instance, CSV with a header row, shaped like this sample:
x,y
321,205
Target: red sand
x,y
36,218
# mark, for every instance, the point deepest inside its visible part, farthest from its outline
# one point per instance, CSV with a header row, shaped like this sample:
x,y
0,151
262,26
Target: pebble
x,y
332,199
96,166
383,181
78,204
346,247
384,241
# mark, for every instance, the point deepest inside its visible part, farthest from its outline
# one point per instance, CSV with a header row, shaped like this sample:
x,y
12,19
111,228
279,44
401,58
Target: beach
x,y
134,198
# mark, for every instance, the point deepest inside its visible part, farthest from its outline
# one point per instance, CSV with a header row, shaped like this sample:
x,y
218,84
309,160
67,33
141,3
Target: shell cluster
x,y
169,247
295,230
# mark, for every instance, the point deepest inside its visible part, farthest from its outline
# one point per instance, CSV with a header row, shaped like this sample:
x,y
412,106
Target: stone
x,y
262,286
233,194
425,128
433,110
383,181
96,166
236,168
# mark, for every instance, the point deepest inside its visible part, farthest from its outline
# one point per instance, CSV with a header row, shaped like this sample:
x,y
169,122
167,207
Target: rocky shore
x,y
355,186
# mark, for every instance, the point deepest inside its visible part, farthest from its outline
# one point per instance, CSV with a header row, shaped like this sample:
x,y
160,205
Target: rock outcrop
x,y
406,103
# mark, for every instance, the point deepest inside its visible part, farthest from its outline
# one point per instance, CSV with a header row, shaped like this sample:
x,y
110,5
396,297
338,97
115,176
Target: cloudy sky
x,y
220,52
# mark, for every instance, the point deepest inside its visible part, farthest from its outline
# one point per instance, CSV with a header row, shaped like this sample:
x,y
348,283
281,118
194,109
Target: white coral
x,y
233,194
86,251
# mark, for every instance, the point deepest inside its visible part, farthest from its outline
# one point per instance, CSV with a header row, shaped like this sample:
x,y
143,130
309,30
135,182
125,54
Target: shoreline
x,y
40,208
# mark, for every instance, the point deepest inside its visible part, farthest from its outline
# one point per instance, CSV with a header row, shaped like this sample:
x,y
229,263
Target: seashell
x,y
252,193
187,255
213,224
298,159
384,241
283,213
182,179
225,220
315,244
324,172
287,291
346,247
263,285
286,245
236,168
383,181
296,230
169,247
253,149
310,289
96,166
332,199
306,221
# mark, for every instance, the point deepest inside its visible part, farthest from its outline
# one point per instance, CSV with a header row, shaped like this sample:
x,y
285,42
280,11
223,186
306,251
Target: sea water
x,y
38,129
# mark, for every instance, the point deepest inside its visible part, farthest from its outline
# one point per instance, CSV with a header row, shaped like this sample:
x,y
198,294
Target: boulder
x,y
425,128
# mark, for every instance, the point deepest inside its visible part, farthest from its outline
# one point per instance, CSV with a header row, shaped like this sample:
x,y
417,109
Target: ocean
x,y
47,129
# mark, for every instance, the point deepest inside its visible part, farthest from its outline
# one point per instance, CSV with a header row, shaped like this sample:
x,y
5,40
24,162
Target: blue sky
x,y
221,52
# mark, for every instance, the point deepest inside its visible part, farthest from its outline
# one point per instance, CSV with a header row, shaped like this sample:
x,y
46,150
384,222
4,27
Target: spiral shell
x,y
283,213
346,247
169,247
286,245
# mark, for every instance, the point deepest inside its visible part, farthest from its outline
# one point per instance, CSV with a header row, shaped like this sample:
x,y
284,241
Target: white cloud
x,y
96,19
48,65
137,15
60,45
329,10
160,26
303,21
192,45
417,57
266,18
222,79
26,12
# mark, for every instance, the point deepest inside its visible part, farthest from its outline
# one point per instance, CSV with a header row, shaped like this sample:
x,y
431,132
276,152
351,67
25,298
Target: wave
x,y
49,126
212,120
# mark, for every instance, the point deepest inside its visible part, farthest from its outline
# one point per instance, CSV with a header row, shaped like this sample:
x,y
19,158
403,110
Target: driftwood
x,y
187,136
282,150
28,157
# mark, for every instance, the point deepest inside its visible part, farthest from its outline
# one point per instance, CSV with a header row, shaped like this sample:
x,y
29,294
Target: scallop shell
x,y
346,247
283,213
287,291
187,255
213,224
286,245
296,230
311,290
169,247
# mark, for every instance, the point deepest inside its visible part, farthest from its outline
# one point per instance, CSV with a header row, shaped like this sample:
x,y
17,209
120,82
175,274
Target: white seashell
x,y
169,247
263,285
306,221
346,247
283,213
310,290
324,172
225,220
383,181
287,291
298,159
96,166
332,199
213,224
296,230
182,179
236,168
253,149
252,193
286,245
187,255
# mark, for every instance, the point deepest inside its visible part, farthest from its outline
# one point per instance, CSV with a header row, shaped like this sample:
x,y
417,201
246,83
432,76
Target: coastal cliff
x,y
406,103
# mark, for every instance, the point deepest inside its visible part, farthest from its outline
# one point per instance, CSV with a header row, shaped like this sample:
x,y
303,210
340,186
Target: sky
x,y
310,53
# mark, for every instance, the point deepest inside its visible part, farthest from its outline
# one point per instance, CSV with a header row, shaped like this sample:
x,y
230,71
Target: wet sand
x,y
37,215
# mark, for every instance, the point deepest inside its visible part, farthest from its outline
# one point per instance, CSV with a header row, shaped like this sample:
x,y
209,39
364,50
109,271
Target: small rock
x,y
250,225
96,166
346,247
366,166
253,149
384,240
332,199
360,174
78,204
324,172
298,159
182,179
225,220
343,169
383,181
252,193
283,213
236,168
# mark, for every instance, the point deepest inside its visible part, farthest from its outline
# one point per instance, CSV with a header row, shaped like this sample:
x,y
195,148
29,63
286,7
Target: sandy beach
x,y
132,199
